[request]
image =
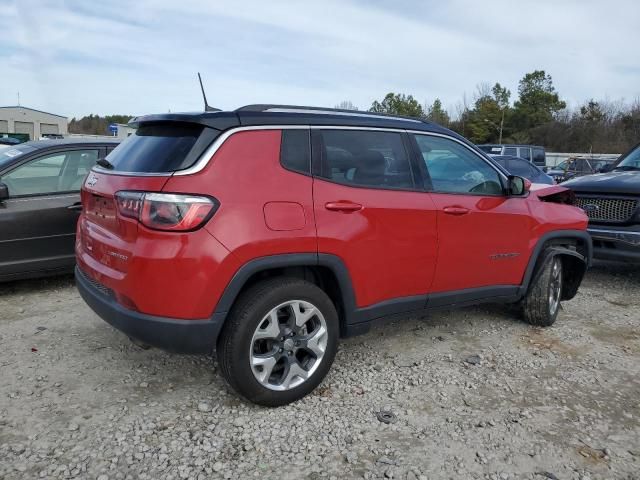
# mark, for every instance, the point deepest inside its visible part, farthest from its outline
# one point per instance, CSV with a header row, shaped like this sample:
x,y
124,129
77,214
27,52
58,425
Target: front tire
x,y
542,302
279,341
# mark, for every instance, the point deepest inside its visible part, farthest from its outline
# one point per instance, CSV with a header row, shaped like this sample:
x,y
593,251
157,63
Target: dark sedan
x,y
523,168
40,203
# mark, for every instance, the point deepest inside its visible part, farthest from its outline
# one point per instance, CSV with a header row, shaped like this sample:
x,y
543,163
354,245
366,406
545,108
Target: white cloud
x,y
75,58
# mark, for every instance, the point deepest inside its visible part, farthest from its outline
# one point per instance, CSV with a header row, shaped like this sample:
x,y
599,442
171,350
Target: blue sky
x,y
75,57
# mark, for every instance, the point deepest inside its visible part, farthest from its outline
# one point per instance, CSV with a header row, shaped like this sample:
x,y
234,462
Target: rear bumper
x,y
179,336
622,245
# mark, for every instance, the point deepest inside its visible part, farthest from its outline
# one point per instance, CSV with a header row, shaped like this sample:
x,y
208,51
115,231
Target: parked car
x,y
523,168
533,153
576,167
40,202
266,233
9,141
612,202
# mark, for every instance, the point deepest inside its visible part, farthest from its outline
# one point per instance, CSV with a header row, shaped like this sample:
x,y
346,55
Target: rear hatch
x,y
142,163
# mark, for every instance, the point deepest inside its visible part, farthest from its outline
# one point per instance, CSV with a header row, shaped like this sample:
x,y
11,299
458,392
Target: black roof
x,y
267,114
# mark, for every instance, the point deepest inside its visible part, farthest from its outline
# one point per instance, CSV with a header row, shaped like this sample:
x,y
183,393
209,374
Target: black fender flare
x,y
246,271
578,262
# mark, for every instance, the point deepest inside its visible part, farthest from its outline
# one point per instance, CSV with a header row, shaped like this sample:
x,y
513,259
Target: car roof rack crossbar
x,y
322,111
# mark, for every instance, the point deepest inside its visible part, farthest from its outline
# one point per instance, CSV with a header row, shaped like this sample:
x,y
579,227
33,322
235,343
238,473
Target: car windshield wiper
x,y
626,167
104,163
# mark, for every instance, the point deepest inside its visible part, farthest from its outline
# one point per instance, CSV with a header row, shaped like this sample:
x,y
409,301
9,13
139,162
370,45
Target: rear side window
x,y
511,151
295,151
525,153
522,168
161,148
365,158
538,156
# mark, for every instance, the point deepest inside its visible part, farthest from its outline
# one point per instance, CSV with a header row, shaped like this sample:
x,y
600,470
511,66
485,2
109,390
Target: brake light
x,y
166,211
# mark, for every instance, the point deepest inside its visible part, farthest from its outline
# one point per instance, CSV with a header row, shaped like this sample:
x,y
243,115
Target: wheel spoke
x,y
272,330
295,371
317,342
267,362
303,316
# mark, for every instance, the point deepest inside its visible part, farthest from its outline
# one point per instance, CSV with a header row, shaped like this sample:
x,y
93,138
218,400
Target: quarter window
x,y
295,153
453,168
365,158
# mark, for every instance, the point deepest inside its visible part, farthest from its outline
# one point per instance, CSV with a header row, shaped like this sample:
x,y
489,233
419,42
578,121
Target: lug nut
x,y
282,339
279,350
291,334
289,353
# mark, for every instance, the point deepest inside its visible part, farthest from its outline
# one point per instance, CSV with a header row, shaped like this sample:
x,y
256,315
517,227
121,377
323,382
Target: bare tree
x,y
346,105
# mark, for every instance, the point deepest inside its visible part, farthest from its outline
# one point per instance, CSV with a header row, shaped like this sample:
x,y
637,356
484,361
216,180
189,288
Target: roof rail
x,y
322,111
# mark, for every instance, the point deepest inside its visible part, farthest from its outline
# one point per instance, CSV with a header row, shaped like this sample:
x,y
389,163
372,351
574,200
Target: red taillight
x,y
166,211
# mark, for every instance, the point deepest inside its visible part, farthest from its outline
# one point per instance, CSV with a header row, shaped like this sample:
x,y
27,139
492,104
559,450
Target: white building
x,y
33,122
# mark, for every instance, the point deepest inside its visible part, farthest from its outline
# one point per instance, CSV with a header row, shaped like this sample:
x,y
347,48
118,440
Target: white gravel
x,y
475,394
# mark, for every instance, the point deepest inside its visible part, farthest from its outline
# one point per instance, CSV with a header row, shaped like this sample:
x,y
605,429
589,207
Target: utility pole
x,y
18,98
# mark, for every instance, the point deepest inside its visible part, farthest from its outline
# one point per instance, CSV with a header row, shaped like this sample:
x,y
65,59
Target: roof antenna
x,y
207,107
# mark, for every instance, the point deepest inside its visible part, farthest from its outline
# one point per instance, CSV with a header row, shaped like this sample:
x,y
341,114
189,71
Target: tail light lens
x,y
166,211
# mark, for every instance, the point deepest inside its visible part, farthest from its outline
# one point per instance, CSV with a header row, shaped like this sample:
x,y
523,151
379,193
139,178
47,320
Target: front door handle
x,y
346,207
455,210
75,206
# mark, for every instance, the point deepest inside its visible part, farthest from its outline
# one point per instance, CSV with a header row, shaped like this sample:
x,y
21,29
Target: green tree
x,y
437,114
398,104
538,100
484,120
592,112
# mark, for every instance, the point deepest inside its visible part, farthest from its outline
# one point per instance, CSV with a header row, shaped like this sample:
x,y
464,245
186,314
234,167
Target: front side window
x,y
53,173
511,151
453,168
365,158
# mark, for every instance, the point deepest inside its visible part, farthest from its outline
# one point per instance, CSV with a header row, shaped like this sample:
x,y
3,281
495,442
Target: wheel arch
x,y
325,270
576,250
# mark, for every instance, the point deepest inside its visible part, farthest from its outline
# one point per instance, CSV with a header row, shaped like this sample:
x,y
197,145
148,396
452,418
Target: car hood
x,y
627,183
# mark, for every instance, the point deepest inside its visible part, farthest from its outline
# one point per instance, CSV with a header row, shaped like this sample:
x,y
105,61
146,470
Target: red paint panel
x,y
389,246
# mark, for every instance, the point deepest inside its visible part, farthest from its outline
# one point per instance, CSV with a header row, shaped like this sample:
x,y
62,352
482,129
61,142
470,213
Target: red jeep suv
x,y
266,233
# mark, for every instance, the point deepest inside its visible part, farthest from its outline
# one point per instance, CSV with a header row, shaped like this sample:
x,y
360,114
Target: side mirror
x,y
605,168
518,186
4,191
545,169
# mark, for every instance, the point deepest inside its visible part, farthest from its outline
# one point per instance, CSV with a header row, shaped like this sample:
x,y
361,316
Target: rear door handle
x,y
75,206
346,207
455,210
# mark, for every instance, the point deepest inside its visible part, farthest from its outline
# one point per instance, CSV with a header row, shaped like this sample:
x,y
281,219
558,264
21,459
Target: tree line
x,y
538,116
95,124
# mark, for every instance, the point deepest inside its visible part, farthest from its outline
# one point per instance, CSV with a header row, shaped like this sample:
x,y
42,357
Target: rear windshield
x,y
160,148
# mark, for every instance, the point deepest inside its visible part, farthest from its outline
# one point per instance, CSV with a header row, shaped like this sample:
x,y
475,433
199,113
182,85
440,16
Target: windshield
x,y
9,154
631,161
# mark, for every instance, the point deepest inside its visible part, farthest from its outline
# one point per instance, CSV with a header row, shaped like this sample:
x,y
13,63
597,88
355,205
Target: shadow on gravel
x,y
32,285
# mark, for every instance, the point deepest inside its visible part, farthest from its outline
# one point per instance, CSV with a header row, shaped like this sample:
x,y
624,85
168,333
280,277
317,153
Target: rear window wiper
x,y
104,163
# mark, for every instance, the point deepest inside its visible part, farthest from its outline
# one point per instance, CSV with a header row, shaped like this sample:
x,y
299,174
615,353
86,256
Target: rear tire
x,y
279,341
542,302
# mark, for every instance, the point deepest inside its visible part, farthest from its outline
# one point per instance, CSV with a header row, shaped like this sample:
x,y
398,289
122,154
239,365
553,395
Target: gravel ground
x,y
473,393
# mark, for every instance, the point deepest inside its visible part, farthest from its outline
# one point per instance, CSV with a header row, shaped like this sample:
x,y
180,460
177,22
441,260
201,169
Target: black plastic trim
x,y
173,335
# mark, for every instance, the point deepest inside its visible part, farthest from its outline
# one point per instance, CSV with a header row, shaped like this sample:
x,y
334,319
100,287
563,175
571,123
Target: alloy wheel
x,y
288,345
